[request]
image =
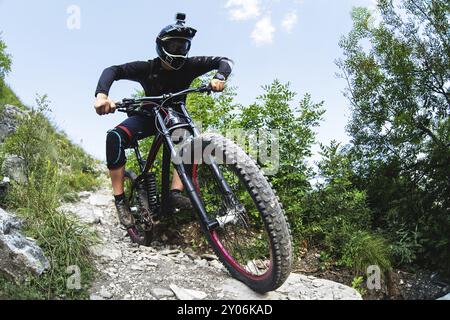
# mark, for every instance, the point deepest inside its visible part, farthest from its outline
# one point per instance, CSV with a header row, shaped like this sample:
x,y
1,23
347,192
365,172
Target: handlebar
x,y
127,104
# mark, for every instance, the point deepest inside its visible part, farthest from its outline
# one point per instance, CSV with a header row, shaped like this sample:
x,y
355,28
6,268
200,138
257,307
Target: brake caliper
x,y
232,215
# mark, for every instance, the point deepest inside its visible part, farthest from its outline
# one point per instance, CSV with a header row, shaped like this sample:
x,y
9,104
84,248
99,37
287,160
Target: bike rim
x,y
225,251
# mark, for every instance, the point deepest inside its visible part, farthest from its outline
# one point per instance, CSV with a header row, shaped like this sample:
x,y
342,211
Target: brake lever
x,y
124,106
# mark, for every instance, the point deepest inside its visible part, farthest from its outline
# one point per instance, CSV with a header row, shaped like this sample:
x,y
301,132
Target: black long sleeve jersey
x,y
156,80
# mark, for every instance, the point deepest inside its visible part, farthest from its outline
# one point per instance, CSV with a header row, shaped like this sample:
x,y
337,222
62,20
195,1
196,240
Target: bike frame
x,y
164,138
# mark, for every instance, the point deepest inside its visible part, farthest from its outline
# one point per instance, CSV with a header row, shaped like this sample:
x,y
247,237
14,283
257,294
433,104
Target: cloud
x,y
241,10
289,21
264,31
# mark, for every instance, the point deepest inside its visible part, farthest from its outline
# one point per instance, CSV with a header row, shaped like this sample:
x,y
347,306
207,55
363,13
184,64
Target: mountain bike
x,y
238,210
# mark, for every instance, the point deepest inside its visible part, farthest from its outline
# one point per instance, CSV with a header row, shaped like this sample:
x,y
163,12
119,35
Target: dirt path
x,y
129,272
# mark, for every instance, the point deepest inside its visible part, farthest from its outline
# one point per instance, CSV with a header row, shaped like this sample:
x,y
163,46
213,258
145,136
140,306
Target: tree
x,y
214,112
336,216
274,111
398,75
5,60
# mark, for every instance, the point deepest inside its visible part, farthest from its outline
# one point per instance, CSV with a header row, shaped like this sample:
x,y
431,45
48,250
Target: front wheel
x,y
253,240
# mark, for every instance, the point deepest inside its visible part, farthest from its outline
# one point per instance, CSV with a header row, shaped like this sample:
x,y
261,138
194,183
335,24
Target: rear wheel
x,y
142,232
253,240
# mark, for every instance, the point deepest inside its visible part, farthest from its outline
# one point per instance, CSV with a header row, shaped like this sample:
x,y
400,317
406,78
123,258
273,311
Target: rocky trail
x,y
167,272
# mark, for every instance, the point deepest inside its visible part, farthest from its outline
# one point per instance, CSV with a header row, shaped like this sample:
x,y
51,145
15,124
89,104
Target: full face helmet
x,y
174,42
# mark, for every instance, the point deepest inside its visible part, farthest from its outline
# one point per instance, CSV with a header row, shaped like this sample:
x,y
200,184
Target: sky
x,y
60,48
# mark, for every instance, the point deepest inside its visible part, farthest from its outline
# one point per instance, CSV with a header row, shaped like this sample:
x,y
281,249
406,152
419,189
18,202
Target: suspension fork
x,y
169,154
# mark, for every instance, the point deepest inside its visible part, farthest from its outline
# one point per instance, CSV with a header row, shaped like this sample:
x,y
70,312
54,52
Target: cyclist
x,y
172,71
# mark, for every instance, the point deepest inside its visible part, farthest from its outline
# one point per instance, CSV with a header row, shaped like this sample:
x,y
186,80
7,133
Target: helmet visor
x,y
177,46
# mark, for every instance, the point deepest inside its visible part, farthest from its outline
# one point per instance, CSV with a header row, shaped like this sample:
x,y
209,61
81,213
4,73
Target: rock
x,y
310,288
216,264
95,297
111,271
297,287
446,298
100,200
137,268
106,294
170,252
220,295
151,264
19,256
10,117
88,216
236,290
14,167
201,263
161,293
180,256
84,195
107,251
187,294
208,257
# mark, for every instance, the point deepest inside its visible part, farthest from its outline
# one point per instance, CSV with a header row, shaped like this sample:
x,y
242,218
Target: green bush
x,y
358,284
275,110
404,245
364,249
336,215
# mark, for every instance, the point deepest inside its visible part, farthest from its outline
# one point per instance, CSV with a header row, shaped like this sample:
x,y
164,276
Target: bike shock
x,y
152,192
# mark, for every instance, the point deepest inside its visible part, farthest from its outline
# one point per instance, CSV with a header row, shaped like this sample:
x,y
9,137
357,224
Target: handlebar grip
x,y
206,89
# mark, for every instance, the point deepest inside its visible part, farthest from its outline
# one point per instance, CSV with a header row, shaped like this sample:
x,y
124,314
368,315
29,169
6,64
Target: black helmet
x,y
174,42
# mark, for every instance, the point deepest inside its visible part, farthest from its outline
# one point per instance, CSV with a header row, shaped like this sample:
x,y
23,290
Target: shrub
x,y
365,249
336,215
357,284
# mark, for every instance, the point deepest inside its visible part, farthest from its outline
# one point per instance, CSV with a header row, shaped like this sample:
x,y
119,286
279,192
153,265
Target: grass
x,y
10,290
7,96
56,170
366,249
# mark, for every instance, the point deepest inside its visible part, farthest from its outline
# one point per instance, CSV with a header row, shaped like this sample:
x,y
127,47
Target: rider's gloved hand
x,y
104,105
217,85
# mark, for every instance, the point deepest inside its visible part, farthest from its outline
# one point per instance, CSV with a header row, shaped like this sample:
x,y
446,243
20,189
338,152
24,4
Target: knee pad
x,y
116,142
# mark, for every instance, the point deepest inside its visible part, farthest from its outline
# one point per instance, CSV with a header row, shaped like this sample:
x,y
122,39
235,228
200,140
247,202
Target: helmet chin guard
x,y
174,43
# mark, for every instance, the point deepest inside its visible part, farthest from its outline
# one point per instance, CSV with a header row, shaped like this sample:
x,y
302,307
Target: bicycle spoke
x,y
240,234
